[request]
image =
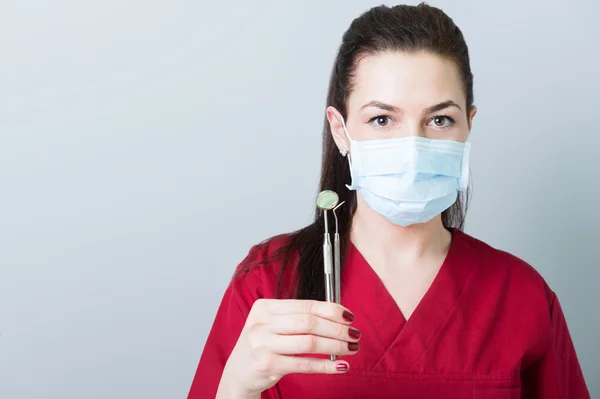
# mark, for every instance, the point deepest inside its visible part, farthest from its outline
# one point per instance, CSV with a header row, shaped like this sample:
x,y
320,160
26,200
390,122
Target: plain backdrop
x,y
145,146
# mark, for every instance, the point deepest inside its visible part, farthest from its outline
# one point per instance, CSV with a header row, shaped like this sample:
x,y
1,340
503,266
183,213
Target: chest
x,y
450,333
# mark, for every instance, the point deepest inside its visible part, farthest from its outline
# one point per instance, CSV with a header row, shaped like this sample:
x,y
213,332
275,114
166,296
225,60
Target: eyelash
x,y
450,120
373,119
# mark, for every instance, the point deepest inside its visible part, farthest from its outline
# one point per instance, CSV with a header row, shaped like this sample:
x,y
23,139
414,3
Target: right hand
x,y
274,332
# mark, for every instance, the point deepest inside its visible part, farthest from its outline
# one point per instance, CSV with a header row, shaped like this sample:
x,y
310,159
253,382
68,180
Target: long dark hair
x,y
399,28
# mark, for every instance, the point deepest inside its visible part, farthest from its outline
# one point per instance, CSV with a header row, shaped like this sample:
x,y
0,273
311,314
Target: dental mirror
x,y
327,200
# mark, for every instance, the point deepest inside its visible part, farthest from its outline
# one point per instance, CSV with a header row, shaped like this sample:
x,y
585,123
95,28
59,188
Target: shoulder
x,y
509,272
264,268
515,296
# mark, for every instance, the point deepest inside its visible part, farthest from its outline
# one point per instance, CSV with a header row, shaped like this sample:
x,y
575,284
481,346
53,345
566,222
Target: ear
x,y
472,113
337,129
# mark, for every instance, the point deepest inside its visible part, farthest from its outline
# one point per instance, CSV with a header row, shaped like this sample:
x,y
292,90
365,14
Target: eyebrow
x,y
383,106
428,110
441,106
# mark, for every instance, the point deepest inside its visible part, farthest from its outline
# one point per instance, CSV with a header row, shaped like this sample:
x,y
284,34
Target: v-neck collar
x,y
402,342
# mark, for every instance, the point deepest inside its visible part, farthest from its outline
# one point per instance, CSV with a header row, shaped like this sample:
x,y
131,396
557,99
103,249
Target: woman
x,y
428,311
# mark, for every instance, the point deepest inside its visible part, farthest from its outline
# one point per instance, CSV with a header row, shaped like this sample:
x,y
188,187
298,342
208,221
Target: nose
x,y
412,128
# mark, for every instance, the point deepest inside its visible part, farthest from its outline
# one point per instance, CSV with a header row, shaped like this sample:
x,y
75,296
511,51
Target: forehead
x,y
407,80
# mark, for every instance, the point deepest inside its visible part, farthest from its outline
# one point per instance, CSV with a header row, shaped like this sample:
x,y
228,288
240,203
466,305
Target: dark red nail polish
x,y
353,333
341,367
353,346
348,316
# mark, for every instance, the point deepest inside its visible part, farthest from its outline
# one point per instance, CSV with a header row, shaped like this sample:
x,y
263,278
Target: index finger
x,y
327,310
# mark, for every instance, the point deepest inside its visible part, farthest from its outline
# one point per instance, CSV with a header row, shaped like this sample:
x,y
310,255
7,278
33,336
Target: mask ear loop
x,y
349,138
351,186
464,178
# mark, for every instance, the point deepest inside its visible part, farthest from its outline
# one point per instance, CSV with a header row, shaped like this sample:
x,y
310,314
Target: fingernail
x,y
341,367
353,346
353,333
348,316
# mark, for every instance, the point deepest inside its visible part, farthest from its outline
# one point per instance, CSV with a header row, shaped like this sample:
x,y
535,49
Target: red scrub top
x,y
488,327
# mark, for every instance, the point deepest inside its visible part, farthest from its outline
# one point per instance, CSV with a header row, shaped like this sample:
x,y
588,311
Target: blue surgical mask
x,y
410,179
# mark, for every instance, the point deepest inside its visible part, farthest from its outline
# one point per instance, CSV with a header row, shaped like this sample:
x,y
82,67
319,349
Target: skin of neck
x,y
392,245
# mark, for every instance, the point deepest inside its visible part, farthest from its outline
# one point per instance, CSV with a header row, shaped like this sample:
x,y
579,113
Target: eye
x,y
380,121
442,121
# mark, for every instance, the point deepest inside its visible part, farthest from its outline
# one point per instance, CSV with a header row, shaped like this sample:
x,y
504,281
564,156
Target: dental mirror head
x,y
327,200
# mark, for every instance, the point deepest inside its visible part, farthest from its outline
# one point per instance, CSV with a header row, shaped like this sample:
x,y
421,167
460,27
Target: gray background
x,y
146,145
